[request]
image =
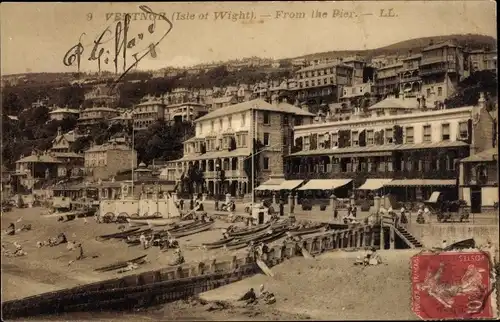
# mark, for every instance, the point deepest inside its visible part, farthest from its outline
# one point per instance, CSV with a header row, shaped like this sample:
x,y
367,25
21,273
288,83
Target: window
x,y
266,139
285,140
220,124
306,142
243,119
335,139
463,130
388,136
201,128
331,80
285,119
440,91
445,132
267,119
325,81
266,163
229,121
409,135
370,140
427,133
313,83
307,83
428,92
355,138
301,84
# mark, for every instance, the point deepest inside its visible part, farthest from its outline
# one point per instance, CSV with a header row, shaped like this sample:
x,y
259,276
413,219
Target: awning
x,y
420,183
374,184
434,197
325,184
290,184
271,184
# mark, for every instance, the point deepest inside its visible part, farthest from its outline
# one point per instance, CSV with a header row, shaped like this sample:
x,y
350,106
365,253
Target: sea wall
x,y
432,235
174,283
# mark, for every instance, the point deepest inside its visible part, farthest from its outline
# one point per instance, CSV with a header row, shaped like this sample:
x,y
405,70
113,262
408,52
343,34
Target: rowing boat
x,y
264,238
249,231
121,264
306,231
217,244
120,234
153,222
194,230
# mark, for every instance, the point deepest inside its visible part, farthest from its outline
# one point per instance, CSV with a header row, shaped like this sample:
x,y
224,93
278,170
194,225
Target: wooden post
x,y
360,236
382,241
392,236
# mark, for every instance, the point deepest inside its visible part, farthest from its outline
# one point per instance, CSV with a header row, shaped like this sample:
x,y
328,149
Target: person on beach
x,y
249,297
80,255
11,230
142,239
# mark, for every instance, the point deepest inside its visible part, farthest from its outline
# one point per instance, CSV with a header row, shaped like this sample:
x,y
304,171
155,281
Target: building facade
x,y
107,160
479,180
94,115
419,150
387,79
441,68
224,141
322,83
409,76
148,111
60,114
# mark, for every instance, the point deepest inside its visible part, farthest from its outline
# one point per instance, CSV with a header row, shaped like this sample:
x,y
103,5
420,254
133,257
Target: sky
x,y
36,36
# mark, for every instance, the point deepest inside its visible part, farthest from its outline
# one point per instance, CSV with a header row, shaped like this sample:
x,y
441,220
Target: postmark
x,y
452,285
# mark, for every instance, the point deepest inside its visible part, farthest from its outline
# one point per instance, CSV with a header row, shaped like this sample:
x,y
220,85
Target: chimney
x,y
431,42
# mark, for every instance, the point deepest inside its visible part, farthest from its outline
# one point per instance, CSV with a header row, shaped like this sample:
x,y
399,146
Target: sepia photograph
x,y
249,161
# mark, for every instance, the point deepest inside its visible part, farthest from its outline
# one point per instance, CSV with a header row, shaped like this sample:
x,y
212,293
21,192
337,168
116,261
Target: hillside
x,y
472,41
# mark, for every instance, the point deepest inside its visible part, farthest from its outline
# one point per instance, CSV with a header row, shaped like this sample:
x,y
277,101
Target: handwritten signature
x,y
122,43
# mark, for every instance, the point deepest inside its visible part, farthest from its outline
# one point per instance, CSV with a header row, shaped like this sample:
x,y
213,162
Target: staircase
x,y
408,238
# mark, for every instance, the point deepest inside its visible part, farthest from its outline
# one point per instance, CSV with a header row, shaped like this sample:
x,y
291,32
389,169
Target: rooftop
x,y
395,103
65,110
321,66
447,43
485,156
107,147
256,104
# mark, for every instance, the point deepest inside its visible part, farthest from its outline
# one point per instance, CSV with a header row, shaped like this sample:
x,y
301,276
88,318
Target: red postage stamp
x,y
452,285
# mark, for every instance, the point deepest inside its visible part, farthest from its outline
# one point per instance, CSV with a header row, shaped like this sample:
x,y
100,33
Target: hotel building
x,y
416,151
224,140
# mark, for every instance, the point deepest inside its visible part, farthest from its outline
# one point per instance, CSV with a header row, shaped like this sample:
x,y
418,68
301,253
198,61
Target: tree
x,y
468,90
194,180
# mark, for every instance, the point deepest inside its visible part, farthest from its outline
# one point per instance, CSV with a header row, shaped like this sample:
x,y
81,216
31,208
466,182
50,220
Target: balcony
x,y
410,79
229,174
436,70
434,60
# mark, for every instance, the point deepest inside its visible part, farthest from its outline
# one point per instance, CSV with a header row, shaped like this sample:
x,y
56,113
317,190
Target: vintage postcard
x,y
331,160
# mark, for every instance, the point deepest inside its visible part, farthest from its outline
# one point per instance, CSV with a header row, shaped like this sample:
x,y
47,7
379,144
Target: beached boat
x,y
153,222
193,230
121,264
218,243
119,234
306,231
249,231
265,238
